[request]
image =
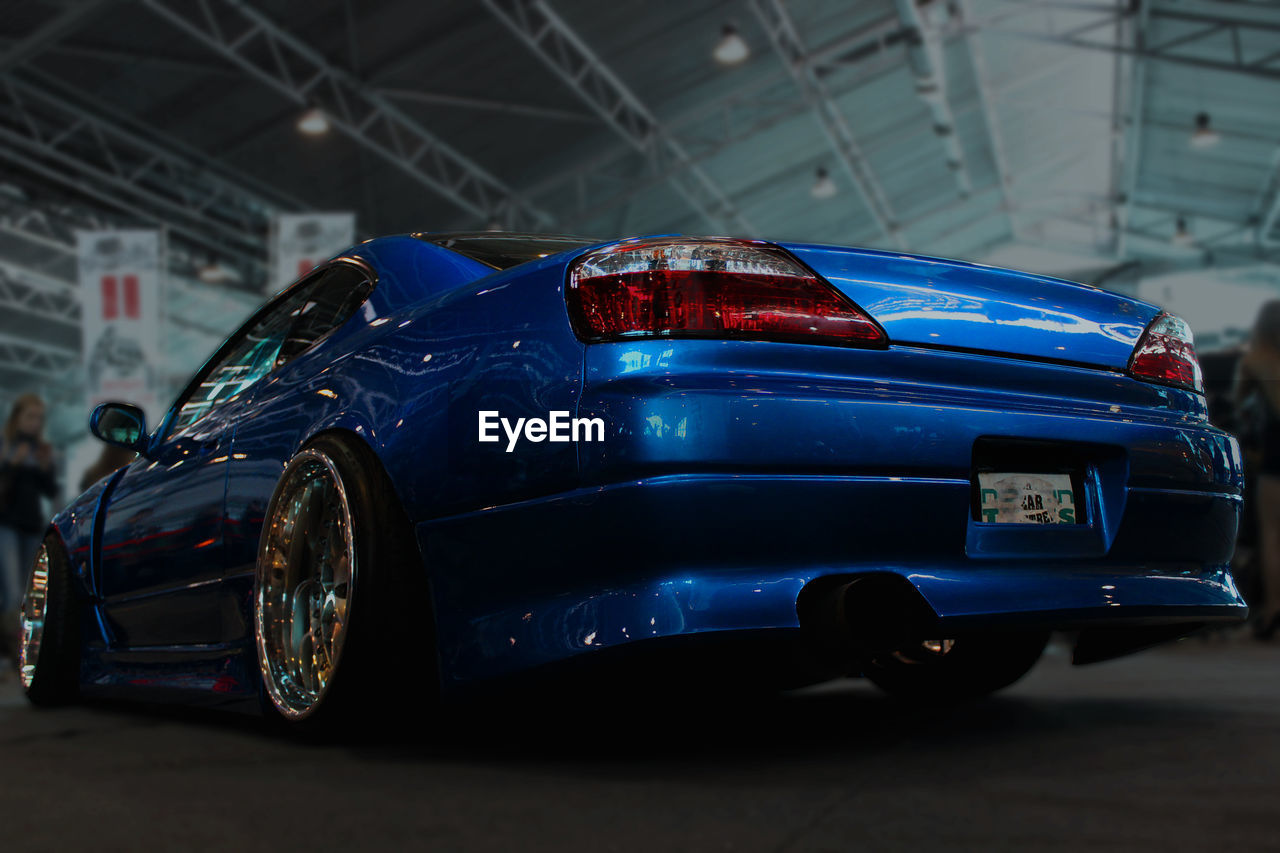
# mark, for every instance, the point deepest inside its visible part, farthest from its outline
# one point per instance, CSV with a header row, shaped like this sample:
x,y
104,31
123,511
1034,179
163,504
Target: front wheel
x,y
342,615
49,629
956,669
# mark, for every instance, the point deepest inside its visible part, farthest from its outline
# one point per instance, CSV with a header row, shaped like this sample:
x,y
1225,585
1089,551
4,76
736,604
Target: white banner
x,y
301,241
121,288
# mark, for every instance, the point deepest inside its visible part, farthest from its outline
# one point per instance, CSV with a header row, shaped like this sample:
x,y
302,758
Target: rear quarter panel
x,y
408,377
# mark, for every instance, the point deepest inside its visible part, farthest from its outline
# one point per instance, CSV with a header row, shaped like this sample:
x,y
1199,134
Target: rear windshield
x,y
503,251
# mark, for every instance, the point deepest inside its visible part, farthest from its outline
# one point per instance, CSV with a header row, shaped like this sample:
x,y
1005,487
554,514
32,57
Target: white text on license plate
x,y
1026,498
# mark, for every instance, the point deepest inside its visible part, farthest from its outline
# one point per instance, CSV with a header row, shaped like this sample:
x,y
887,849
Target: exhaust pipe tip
x,y
857,614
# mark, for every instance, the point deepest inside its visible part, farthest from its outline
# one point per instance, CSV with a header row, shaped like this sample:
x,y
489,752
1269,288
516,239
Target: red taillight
x,y
1166,353
709,288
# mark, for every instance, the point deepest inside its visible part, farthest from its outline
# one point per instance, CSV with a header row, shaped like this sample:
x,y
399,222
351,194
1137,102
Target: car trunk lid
x,y
963,306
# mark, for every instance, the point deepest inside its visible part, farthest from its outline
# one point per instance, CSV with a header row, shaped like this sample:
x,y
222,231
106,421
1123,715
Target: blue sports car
x,y
446,460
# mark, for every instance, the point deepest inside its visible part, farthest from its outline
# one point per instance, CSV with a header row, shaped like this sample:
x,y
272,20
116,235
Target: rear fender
x,y
356,426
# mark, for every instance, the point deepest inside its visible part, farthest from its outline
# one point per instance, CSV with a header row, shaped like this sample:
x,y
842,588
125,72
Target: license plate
x,y
1008,498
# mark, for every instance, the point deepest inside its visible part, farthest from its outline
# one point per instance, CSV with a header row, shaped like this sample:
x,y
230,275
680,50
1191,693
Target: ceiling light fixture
x,y
313,122
731,49
823,186
1204,136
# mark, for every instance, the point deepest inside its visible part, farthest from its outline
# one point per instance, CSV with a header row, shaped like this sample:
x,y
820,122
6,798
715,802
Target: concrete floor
x,y
1173,749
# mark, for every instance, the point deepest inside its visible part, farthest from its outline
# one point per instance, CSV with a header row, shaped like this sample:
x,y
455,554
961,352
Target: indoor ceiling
x,y
1056,136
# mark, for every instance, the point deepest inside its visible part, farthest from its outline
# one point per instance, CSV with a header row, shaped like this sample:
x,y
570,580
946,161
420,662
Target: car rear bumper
x,y
549,579
734,474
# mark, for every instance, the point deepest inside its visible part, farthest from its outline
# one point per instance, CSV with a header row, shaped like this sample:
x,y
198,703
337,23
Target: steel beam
x,y
1269,205
791,49
590,191
55,137
223,184
924,54
37,356
116,55
597,192
56,297
239,253
42,241
1267,228
550,38
71,18
990,118
280,60
49,300
487,105
35,295
1134,110
608,181
49,225
1186,49
585,209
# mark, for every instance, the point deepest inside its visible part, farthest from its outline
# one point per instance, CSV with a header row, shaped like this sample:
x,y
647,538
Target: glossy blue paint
x,y
929,301
732,473
593,560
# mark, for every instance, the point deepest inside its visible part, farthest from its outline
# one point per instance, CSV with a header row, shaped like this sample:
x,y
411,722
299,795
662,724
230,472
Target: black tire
x,y
974,666
387,666
53,678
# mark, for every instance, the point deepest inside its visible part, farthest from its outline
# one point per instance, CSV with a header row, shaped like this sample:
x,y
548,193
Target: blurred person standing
x,y
27,474
1257,398
112,459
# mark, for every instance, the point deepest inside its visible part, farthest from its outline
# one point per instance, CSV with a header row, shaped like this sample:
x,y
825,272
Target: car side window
x,y
252,355
341,290
245,364
304,314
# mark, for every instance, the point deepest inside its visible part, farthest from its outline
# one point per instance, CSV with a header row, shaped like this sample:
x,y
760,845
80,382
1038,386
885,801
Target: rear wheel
x,y
343,620
956,669
49,629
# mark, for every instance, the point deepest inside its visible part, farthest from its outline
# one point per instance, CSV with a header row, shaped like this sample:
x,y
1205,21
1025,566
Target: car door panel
x,y
162,541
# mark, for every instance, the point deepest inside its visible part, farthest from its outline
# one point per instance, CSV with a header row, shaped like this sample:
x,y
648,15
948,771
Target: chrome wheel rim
x,y
31,618
305,578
